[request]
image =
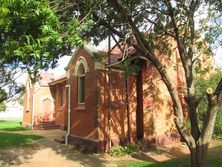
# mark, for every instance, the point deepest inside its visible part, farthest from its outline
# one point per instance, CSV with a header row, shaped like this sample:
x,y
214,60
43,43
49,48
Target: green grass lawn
x,y
214,160
9,137
14,139
172,163
12,126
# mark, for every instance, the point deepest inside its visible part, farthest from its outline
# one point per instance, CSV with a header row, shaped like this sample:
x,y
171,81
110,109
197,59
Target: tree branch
x,y
108,26
147,52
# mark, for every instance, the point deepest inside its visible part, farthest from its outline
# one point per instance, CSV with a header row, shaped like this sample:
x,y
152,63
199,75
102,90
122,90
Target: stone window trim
x,y
83,61
81,68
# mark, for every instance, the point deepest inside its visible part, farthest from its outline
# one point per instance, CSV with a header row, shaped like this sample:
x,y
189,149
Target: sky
x,y
218,57
58,71
63,61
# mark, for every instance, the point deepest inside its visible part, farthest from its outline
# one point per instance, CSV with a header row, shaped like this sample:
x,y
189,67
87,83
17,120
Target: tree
x,y
32,37
8,86
211,25
21,41
38,32
143,22
34,34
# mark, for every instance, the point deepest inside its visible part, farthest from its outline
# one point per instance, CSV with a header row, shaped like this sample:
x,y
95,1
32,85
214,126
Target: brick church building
x,y
100,107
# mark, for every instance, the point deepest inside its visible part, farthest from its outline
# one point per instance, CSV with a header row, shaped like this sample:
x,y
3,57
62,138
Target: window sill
x,y
80,107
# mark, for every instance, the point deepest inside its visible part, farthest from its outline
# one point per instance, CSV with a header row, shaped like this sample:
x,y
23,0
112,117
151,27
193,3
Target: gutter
x,y
68,130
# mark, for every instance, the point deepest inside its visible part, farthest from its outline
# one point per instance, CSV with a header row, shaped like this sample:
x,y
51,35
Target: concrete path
x,y
52,154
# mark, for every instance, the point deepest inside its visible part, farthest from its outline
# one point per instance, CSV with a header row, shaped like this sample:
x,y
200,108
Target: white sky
x,y
218,57
63,61
58,71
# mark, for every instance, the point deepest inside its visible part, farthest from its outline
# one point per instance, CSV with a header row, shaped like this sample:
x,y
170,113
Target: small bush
x,y
218,124
128,149
201,86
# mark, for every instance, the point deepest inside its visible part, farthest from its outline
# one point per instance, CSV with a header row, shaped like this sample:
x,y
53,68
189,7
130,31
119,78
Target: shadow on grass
x,y
15,129
170,163
13,139
16,148
214,160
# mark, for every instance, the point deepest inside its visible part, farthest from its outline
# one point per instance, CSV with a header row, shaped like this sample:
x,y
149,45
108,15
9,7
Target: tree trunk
x,y
198,155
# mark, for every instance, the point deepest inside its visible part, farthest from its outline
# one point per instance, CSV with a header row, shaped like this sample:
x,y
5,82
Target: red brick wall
x,y
42,93
118,114
60,114
39,93
158,111
27,109
84,117
91,120
159,127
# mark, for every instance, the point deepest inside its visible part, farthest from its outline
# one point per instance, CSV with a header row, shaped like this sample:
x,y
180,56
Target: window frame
x,y
81,89
61,96
81,86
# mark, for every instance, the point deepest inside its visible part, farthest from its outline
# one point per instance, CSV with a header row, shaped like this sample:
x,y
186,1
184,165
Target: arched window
x,y
81,84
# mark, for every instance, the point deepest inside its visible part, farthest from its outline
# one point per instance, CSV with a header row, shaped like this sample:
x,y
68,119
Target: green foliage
x,y
3,95
211,26
129,149
129,68
35,33
201,87
2,106
20,100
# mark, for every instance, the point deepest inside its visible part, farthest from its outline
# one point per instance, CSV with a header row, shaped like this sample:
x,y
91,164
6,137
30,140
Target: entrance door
x,y
47,110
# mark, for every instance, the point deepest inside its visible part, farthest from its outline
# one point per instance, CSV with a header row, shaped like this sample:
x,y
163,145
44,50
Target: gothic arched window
x,y
81,83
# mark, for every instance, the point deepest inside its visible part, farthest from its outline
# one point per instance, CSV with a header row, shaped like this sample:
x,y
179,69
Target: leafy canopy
x,y
34,34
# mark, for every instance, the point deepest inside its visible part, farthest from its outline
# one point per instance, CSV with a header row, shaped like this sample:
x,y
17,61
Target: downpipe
x,y
68,129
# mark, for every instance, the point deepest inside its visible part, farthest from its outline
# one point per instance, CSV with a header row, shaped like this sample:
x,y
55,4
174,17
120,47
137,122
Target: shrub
x,y
128,149
202,85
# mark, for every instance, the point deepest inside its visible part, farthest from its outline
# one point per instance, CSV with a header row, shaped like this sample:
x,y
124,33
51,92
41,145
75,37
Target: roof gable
x,y
101,57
